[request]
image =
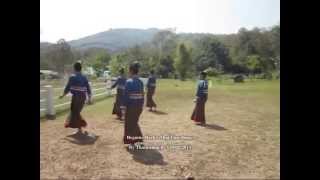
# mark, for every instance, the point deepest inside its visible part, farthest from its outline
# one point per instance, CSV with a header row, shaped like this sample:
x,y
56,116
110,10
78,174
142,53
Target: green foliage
x,y
253,64
57,56
238,79
166,67
117,62
267,75
100,62
183,62
255,51
213,72
209,52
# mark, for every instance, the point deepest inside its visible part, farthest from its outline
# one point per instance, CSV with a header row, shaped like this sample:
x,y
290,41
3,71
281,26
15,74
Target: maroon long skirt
x,y
198,114
75,119
150,102
132,131
116,106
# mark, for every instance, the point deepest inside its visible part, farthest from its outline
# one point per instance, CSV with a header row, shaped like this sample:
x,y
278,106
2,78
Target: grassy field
x,y
242,139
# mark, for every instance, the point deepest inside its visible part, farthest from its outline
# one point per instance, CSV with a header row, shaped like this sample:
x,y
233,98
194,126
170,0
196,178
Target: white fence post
x,y
50,114
108,85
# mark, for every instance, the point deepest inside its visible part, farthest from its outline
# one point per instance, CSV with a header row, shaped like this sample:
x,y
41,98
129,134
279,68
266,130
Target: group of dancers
x,y
129,101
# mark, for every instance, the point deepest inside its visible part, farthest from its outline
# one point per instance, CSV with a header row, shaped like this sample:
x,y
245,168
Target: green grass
x,y
171,92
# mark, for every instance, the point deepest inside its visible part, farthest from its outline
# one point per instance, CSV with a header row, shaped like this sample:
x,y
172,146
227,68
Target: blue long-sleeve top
x,y
202,90
151,82
120,83
78,84
134,93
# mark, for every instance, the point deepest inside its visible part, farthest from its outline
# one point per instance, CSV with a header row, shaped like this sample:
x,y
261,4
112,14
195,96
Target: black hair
x,y
134,67
121,70
77,66
203,74
152,71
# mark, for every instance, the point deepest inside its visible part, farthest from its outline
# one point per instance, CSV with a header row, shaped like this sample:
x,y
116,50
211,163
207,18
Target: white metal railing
x,y
50,109
96,84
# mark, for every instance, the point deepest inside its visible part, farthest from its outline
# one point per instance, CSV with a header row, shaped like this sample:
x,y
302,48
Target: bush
x,y
267,75
213,72
276,75
238,79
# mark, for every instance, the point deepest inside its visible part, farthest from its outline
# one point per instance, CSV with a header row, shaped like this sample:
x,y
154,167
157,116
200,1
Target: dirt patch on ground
x,y
240,141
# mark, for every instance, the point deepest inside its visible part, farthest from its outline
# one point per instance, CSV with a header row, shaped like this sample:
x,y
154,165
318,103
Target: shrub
x,y
267,75
213,72
238,79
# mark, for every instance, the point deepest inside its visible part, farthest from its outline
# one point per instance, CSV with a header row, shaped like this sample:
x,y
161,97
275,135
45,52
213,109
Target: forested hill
x,y
115,39
254,51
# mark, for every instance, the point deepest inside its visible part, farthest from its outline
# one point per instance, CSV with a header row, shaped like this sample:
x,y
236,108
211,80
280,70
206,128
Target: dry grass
x,y
241,141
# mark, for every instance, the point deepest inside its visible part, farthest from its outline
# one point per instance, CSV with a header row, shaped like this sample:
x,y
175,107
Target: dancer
x,y
121,80
78,86
133,105
198,115
151,87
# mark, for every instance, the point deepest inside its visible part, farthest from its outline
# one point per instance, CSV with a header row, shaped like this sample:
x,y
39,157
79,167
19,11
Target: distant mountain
x,y
115,39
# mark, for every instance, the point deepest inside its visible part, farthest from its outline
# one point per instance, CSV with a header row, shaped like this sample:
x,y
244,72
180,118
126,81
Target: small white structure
x,y
106,75
89,71
47,74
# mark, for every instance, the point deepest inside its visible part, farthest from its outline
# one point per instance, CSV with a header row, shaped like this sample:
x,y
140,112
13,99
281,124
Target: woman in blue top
x,y
120,92
133,105
198,115
79,87
151,87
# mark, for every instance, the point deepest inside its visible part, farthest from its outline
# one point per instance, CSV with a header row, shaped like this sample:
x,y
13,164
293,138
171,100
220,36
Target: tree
x,y
165,67
163,62
165,43
183,61
253,63
136,53
256,42
59,55
118,61
211,53
100,62
275,42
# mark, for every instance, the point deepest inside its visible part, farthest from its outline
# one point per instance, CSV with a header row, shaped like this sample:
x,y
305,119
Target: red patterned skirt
x,y
198,114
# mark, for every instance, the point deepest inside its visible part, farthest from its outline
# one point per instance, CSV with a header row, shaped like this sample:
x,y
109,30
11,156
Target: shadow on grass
x,y
147,156
158,112
82,139
215,127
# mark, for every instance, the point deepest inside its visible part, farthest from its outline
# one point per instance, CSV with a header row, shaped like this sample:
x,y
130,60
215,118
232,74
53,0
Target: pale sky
x,y
73,19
